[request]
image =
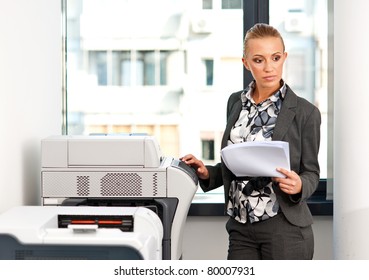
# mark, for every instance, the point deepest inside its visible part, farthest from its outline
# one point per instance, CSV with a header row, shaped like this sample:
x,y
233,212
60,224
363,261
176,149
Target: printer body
x,y
119,171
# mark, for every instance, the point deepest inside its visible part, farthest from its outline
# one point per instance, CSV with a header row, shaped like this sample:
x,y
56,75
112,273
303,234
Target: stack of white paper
x,y
257,159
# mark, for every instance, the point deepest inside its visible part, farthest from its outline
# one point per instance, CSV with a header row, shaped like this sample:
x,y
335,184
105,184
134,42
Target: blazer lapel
x,y
286,116
233,117
284,120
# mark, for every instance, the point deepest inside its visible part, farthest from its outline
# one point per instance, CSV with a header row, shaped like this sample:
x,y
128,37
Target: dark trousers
x,y
272,239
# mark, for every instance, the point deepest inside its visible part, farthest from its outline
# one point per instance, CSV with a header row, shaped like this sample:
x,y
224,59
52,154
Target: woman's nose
x,y
268,66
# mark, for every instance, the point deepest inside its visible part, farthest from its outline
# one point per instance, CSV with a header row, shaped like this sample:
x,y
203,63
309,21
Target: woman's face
x,y
264,59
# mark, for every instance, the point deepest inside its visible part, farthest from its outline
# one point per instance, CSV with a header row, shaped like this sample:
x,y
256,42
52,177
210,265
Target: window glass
x,y
231,4
208,149
126,76
209,65
207,4
98,67
304,27
121,68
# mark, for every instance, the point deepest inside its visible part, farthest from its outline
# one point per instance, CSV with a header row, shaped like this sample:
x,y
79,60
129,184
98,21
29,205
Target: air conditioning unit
x,y
296,22
202,24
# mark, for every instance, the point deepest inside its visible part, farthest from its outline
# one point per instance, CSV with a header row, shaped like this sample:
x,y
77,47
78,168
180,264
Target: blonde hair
x,y
258,31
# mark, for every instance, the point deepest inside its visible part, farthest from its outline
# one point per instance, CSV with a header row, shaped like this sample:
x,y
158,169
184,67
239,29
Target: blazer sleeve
x,y
302,132
215,178
309,170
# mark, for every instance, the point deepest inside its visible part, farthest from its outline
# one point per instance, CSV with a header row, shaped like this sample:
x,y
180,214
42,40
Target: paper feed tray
x,y
58,232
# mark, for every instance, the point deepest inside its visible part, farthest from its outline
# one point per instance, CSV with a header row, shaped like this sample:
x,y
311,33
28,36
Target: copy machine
x,y
119,171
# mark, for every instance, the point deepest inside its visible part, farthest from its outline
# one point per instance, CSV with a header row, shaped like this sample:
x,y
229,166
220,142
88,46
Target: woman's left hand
x,y
291,184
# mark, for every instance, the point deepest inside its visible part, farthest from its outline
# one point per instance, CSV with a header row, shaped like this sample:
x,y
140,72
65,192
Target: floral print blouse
x,y
253,199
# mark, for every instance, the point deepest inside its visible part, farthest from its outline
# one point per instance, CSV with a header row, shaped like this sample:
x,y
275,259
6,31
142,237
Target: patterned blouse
x,y
253,199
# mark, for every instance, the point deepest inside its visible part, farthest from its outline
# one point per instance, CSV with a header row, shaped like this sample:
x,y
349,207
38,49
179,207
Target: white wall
x,y
30,90
351,130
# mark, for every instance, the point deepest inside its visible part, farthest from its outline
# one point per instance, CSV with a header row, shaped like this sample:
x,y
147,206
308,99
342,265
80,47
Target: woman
x,y
269,217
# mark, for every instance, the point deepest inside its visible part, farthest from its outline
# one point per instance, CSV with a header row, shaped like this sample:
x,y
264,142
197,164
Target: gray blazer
x,y
298,123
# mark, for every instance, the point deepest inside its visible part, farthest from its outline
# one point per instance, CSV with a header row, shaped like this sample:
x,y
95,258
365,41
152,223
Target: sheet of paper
x,y
257,159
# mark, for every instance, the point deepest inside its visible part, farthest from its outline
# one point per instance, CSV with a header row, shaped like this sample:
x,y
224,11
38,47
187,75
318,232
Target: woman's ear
x,y
245,63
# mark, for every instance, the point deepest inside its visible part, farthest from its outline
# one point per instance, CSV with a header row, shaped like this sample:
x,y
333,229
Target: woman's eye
x,y
257,60
276,58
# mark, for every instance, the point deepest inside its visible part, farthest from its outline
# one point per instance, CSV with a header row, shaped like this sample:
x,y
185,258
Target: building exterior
x,y
167,67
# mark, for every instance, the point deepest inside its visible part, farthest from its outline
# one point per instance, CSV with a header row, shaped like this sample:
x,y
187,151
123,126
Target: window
x,y
209,66
138,76
121,68
98,67
124,76
231,4
208,149
207,4
117,67
304,27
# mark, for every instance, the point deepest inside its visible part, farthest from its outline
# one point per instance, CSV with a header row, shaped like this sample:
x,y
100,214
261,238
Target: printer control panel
x,y
187,169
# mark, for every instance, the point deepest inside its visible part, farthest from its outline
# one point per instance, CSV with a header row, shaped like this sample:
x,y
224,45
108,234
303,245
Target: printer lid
x,y
101,150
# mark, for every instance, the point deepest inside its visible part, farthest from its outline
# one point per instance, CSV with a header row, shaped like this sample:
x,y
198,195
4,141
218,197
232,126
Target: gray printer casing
x,y
109,169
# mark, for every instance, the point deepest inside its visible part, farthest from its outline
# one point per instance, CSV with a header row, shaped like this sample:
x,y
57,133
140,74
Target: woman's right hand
x,y
201,171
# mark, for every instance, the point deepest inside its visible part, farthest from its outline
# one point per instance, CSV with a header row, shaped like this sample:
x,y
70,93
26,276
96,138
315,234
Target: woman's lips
x,y
269,78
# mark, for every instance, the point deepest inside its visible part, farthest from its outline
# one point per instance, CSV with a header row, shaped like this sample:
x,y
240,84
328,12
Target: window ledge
x,y
213,204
